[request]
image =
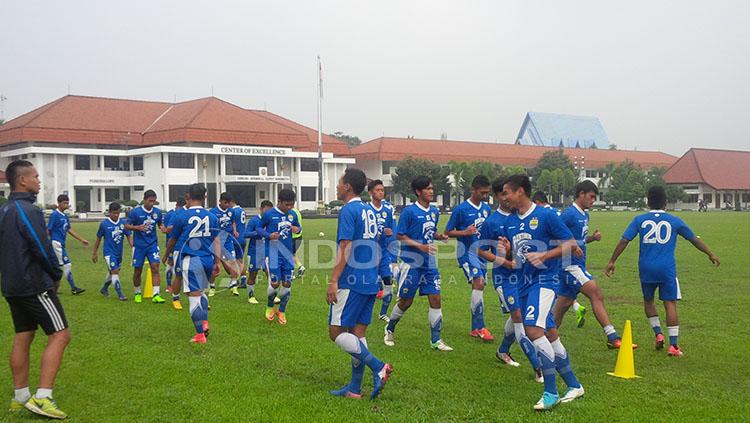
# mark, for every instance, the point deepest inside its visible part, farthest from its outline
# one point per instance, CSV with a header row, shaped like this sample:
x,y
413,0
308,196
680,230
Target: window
x,y
177,191
308,165
2,193
83,162
728,198
138,163
262,195
309,194
111,163
708,198
246,165
181,161
138,188
690,187
692,198
746,197
111,194
387,165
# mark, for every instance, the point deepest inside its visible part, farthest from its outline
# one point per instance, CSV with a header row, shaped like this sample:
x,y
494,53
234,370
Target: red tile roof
x,y
719,169
507,154
107,121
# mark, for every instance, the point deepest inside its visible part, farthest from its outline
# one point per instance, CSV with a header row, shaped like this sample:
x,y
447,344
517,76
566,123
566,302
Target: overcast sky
x,y
660,75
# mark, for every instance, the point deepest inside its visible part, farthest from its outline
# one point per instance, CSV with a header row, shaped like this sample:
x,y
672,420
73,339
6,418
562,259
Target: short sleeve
x,y
404,222
159,217
684,230
346,225
631,231
51,222
100,231
127,232
557,228
488,233
213,222
177,226
296,222
454,220
132,216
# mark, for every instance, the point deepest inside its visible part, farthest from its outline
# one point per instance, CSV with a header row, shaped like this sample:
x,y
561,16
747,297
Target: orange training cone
x,y
625,367
148,286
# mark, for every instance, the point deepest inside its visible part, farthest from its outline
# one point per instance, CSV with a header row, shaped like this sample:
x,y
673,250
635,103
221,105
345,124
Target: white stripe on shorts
x,y
679,293
342,295
49,306
57,247
546,298
403,272
577,272
186,274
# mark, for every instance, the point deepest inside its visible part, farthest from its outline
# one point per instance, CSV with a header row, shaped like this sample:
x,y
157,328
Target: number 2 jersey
x,y
658,231
195,229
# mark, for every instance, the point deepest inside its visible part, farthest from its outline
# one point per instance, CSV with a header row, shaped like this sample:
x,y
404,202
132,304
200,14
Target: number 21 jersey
x,y
196,229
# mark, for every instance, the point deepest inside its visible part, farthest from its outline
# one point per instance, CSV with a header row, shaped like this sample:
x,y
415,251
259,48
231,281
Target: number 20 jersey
x,y
196,229
658,231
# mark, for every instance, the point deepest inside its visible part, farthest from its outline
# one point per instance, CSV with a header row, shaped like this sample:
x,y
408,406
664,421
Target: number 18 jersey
x,y
358,224
195,229
658,231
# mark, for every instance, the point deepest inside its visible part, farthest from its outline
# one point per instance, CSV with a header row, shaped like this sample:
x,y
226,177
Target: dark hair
x,y
225,196
12,171
355,178
148,194
197,192
420,182
539,197
114,206
266,203
287,195
657,197
375,182
480,181
519,181
586,187
62,197
498,184
180,202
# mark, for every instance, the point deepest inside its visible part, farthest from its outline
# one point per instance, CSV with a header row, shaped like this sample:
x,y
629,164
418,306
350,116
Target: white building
x,y
98,150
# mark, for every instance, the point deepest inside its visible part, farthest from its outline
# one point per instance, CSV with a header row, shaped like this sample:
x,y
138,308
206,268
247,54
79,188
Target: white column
x,y
71,187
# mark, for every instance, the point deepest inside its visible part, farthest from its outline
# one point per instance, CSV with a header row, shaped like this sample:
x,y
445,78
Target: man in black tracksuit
x,y
30,275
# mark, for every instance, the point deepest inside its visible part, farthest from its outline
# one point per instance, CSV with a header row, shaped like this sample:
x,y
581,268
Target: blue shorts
x,y
572,279
196,272
424,279
239,251
176,265
536,307
668,291
61,253
384,267
472,267
351,309
282,272
508,296
255,262
150,253
113,262
228,251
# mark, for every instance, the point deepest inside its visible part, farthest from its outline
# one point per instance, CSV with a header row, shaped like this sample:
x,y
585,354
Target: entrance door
x,y
83,200
243,194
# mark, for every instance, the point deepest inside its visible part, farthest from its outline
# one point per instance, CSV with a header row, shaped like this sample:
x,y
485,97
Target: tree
x,y
411,167
613,146
675,193
628,184
556,183
464,172
551,160
607,172
350,140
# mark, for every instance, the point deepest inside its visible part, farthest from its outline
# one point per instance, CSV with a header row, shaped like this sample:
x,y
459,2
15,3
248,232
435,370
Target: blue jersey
x,y
195,229
151,219
384,217
357,223
658,231
58,226
493,229
419,224
239,218
275,221
549,207
225,219
256,241
114,234
463,216
539,230
171,234
168,216
577,221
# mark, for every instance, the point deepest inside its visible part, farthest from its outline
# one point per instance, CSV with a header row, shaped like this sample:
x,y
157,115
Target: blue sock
x,y
176,297
674,332
169,276
613,336
477,310
197,313
506,343
243,281
70,280
528,348
358,350
546,359
284,293
271,296
562,364
655,324
358,373
436,324
118,287
106,285
396,314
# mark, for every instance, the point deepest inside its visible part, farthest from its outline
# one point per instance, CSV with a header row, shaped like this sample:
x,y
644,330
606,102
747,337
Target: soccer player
x,y
538,240
506,281
143,221
256,250
353,286
465,224
224,213
172,255
112,229
277,225
197,230
59,228
574,277
239,220
656,263
168,217
384,216
30,275
297,244
417,232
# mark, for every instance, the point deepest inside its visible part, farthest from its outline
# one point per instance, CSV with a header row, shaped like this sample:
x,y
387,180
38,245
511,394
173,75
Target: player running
x,y
300,268
112,229
256,250
197,231
238,226
465,224
143,221
656,263
353,286
59,228
224,213
384,216
168,218
277,226
506,282
539,238
417,232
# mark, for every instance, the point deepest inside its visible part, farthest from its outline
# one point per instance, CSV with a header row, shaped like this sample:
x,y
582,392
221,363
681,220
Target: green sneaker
x,y
138,298
581,316
45,407
157,299
15,405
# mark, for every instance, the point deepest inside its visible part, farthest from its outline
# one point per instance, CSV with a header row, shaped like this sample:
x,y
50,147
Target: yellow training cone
x,y
625,367
148,286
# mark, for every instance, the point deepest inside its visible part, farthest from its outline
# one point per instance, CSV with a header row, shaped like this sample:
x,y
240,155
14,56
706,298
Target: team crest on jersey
x,y
474,271
290,217
484,213
385,215
433,216
229,213
511,300
534,223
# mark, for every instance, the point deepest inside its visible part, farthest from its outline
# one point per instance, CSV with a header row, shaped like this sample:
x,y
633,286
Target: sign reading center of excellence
x,y
252,151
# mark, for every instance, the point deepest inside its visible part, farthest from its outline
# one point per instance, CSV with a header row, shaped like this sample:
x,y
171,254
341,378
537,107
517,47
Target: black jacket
x,y
28,264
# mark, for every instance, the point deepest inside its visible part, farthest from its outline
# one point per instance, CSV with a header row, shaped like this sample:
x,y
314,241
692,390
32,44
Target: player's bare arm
x,y
619,248
425,248
75,235
702,247
94,255
596,236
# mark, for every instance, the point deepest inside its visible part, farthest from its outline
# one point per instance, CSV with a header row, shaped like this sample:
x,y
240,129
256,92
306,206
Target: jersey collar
x,y
277,209
528,212
222,210
377,208
478,207
504,213
58,211
420,206
579,208
354,199
195,207
656,211
113,222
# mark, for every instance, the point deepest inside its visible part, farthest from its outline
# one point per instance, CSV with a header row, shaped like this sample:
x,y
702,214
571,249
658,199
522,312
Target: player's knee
x,y
552,335
287,284
61,338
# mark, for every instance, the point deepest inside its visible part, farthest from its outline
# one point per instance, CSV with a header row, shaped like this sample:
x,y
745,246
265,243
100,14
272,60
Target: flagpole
x,y
321,201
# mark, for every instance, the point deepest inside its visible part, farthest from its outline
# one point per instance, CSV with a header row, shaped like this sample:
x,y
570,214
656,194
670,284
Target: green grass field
x,y
133,362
